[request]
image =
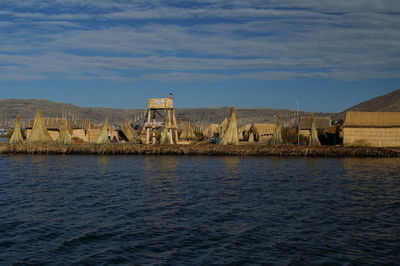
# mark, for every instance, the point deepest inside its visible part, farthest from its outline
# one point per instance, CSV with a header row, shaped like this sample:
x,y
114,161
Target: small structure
x,y
104,136
163,107
375,129
313,139
230,135
39,133
210,131
222,127
244,132
131,133
65,136
16,137
276,138
321,123
188,132
261,132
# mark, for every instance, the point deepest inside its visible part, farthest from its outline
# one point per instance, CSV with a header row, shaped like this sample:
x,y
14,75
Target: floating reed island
x,y
361,135
198,149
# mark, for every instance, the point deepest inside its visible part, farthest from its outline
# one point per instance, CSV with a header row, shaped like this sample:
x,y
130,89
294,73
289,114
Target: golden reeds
x,y
65,136
277,137
104,133
313,139
131,133
187,132
231,133
16,137
39,132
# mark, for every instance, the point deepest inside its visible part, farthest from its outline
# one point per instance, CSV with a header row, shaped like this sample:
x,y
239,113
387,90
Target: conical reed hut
x,y
222,127
65,136
313,138
104,138
16,137
131,133
210,131
188,132
277,137
39,132
231,132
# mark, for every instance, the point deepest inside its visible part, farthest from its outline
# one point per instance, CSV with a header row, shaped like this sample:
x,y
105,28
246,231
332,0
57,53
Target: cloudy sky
x,y
249,53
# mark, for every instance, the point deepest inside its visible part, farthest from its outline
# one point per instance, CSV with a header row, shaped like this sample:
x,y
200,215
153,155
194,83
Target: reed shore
x,y
200,149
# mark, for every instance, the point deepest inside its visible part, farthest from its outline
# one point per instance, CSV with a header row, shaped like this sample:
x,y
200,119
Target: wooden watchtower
x,y
161,108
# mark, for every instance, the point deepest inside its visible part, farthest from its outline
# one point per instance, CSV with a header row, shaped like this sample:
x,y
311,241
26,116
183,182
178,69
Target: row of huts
x,y
378,129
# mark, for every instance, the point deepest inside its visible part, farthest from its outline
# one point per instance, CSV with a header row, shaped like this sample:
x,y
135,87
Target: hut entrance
x,y
162,109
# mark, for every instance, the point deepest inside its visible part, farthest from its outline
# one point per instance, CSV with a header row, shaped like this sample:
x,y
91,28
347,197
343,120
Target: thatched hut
x,y
321,123
230,135
210,131
39,133
375,129
104,136
16,136
261,132
187,132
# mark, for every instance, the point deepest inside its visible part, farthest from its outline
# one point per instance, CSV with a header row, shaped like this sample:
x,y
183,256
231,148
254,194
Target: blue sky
x,y
252,53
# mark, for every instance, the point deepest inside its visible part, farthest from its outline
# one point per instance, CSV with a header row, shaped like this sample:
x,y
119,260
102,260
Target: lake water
x,y
169,210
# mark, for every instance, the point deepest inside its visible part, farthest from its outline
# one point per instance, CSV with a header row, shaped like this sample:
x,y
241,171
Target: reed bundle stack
x,y
210,131
231,133
103,137
16,137
188,132
131,133
39,132
375,129
65,136
313,139
222,127
277,137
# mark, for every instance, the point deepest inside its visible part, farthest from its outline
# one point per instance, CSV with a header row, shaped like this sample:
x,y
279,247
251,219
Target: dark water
x,y
102,210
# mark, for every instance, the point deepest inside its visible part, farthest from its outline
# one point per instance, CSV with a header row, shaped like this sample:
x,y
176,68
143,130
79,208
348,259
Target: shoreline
x,y
201,149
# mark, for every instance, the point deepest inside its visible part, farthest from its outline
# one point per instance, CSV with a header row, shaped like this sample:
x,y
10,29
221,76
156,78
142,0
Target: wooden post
x,y
148,127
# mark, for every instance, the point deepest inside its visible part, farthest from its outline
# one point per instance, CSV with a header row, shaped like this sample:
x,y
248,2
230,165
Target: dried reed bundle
x,y
187,132
231,132
65,136
16,137
131,133
103,138
313,139
39,132
277,137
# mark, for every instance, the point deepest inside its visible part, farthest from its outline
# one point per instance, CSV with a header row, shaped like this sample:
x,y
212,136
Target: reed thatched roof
x,y
210,131
320,122
372,119
262,129
245,128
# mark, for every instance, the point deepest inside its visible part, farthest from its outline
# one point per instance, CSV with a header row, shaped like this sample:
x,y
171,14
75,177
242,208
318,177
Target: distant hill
x,y
10,108
386,103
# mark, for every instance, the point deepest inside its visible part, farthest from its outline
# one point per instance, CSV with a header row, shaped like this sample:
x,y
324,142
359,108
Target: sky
x,y
327,55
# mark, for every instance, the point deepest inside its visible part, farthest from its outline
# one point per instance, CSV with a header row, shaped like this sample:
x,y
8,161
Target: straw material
x,y
277,137
210,131
80,133
320,122
222,127
187,133
39,132
65,136
231,132
313,138
103,138
373,137
372,119
131,133
262,131
16,137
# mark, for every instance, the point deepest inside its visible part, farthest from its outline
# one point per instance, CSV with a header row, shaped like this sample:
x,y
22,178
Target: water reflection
x,y
232,164
103,161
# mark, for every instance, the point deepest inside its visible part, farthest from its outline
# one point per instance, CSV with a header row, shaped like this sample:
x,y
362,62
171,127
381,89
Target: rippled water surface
x,y
168,210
